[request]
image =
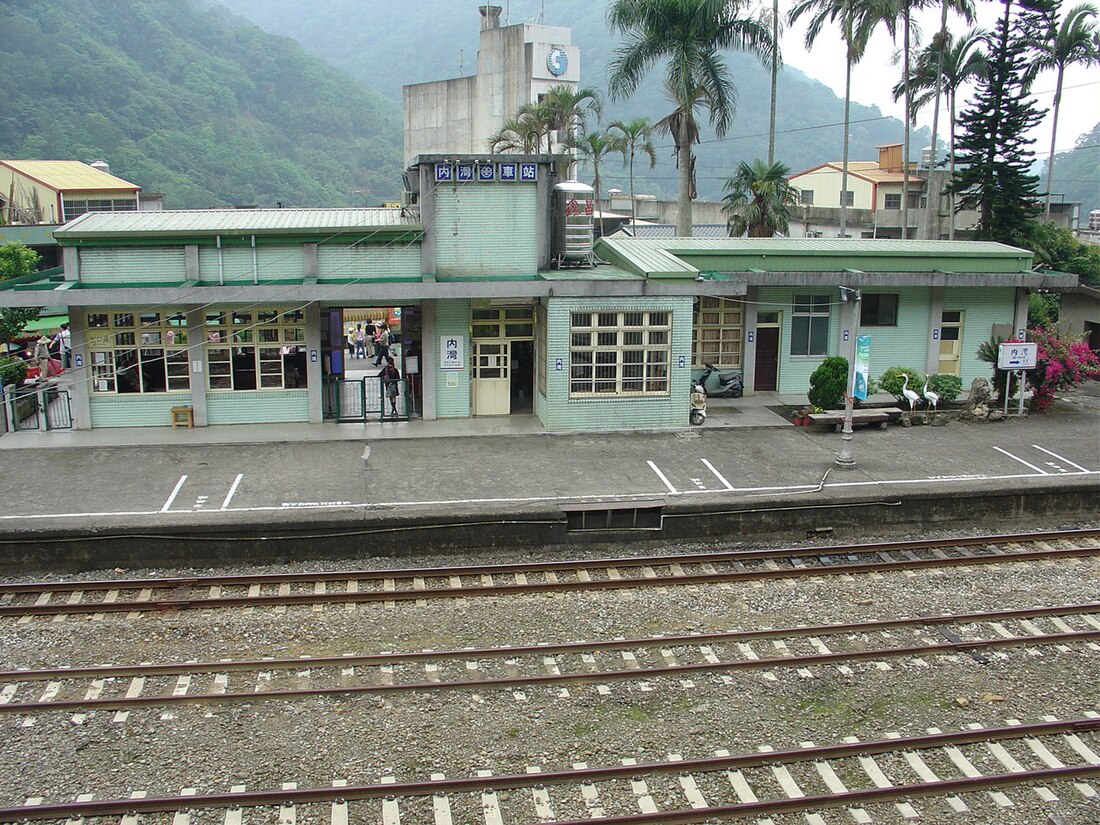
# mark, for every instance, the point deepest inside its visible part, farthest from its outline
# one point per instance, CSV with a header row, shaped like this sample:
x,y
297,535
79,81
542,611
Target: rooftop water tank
x,y
573,208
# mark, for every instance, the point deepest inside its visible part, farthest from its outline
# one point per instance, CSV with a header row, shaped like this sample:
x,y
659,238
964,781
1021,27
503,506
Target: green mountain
x,y
193,103
1077,173
395,44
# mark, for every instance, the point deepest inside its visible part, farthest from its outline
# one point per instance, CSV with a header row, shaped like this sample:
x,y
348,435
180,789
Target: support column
x,y
429,358
196,361
1019,321
935,315
80,386
314,379
748,340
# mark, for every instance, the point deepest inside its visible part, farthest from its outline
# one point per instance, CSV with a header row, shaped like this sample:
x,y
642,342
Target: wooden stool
x,y
183,417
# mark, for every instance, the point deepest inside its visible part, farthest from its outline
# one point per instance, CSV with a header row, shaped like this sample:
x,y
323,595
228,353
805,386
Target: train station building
x,y
501,304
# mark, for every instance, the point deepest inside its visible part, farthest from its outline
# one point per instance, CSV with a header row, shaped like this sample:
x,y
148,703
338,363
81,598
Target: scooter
x,y
698,412
730,384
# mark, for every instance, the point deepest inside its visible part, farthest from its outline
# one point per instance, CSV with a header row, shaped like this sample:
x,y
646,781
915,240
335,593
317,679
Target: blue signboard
x,y
443,172
465,171
486,171
863,366
508,171
528,171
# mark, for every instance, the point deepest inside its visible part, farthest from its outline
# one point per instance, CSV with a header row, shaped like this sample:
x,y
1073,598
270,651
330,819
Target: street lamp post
x,y
849,323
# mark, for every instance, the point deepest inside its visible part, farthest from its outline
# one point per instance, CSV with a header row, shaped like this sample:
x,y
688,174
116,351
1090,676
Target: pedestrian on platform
x,y
360,342
64,341
382,340
391,381
350,338
42,357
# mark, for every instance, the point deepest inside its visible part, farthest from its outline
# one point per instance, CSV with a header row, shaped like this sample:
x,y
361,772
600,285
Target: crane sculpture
x,y
931,397
910,395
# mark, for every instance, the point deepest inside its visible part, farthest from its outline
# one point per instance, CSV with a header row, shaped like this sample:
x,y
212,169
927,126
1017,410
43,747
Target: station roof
x,y
69,176
210,222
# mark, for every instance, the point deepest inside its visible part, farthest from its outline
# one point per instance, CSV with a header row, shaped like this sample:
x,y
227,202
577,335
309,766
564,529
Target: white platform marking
x,y
1028,464
661,476
232,491
175,492
1060,458
717,474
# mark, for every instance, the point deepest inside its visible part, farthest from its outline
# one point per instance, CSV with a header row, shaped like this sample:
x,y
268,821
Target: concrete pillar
x,y
935,315
1019,320
313,361
196,359
71,261
191,262
748,345
429,358
311,269
80,388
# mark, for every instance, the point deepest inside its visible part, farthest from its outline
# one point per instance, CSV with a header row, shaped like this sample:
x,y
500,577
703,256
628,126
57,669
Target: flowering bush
x,y
1064,362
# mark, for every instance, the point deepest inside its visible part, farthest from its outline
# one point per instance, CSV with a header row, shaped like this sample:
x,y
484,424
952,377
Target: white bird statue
x,y
931,397
910,395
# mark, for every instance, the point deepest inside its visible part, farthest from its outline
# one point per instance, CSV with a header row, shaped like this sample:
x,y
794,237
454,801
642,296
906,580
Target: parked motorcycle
x,y
698,412
730,384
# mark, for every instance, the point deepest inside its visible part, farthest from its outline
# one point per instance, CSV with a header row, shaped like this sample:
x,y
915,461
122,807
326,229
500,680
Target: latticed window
x,y
250,349
76,208
717,332
138,351
810,325
619,353
503,322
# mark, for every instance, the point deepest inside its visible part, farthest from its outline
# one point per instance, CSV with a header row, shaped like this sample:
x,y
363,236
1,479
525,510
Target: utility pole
x,y
849,325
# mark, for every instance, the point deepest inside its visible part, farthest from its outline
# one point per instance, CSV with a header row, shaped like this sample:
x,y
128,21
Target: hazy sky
x,y
874,77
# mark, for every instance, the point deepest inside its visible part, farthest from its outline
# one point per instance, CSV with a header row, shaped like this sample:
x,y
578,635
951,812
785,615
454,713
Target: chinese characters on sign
x,y
488,172
1017,356
451,351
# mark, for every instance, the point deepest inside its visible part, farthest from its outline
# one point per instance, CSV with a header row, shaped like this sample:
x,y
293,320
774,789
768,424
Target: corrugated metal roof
x,y
70,175
672,255
234,221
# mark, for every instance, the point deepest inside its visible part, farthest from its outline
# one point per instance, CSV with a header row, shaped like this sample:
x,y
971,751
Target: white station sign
x,y
1017,356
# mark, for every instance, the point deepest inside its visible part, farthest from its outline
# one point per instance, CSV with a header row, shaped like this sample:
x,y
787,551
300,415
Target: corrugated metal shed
x,y
233,221
70,176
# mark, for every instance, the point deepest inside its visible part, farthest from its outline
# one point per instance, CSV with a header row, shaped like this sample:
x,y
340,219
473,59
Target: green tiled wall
x,y
257,407
133,410
452,318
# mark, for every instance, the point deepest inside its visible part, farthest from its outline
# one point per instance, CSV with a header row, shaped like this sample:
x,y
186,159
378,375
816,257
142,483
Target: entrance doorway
x,y
951,324
504,359
766,364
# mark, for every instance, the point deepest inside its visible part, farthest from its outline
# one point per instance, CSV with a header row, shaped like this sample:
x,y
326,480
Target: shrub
x,y
1064,362
829,382
947,387
893,380
12,370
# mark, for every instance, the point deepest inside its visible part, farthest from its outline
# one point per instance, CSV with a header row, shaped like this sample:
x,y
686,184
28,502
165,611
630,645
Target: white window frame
x,y
267,334
620,353
148,336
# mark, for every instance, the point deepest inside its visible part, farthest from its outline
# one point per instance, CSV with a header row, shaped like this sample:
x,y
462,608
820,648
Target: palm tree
x,y
690,34
592,148
857,19
775,81
521,134
758,199
946,65
565,109
1072,42
636,137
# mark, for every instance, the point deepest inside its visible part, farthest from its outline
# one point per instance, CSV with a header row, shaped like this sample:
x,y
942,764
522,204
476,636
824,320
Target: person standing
x,y
382,340
350,338
64,341
360,342
42,357
391,382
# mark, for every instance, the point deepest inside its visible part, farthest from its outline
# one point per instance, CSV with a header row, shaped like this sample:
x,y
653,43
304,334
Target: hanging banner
x,y
863,366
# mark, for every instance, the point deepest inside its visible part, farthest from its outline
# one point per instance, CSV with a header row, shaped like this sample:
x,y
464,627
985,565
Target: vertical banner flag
x,y
863,366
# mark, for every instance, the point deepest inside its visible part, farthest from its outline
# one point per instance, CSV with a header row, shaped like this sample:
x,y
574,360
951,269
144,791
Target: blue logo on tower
x,y
557,61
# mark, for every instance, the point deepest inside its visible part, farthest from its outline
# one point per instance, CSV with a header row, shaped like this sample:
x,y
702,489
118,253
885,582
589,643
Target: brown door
x,y
767,359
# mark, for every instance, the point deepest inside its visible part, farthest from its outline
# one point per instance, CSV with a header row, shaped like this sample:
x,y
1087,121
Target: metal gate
x,y
364,399
35,408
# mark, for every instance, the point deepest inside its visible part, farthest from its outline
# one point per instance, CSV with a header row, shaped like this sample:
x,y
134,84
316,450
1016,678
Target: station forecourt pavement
x,y
241,476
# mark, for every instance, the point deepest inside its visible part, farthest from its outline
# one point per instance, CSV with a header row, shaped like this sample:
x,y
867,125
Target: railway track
x,y
169,684
941,773
280,590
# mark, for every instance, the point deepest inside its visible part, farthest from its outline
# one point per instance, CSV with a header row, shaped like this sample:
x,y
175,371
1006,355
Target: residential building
x,y
56,191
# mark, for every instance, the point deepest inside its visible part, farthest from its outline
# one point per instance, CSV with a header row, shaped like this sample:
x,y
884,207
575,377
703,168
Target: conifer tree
x,y
994,152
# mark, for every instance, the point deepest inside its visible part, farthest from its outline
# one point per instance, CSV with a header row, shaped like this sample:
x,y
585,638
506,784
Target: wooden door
x,y
951,326
767,359
492,378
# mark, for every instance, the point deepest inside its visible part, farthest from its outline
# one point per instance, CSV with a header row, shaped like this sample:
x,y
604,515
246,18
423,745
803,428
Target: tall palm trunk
x,y
844,159
905,141
684,218
633,204
775,75
951,161
1053,135
936,115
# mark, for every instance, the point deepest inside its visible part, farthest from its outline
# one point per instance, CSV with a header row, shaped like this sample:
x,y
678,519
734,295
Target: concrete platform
x,y
135,498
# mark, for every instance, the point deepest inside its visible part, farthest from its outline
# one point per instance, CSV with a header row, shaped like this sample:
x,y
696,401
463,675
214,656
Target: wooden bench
x,y
878,415
183,417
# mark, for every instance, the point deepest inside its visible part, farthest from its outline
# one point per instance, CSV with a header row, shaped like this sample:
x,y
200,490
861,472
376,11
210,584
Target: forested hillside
x,y
206,109
399,43
1077,173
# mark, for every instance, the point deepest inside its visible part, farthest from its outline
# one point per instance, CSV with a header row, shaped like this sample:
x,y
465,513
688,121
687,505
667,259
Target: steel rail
x,y
687,639
530,567
285,797
118,703
540,587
